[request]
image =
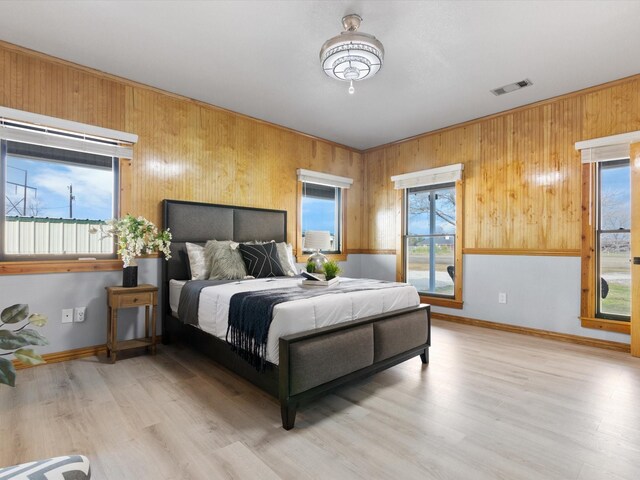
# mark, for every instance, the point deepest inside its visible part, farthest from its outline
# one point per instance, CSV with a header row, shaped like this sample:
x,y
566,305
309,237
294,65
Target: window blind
x,y
26,127
607,149
323,179
432,176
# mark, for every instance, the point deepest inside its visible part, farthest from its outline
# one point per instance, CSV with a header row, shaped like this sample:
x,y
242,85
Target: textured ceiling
x,y
260,58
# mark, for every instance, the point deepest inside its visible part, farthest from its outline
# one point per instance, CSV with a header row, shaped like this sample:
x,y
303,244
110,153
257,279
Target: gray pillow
x,y
224,260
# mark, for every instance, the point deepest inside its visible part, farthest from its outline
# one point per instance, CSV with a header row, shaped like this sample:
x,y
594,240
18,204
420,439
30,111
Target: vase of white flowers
x,y
136,236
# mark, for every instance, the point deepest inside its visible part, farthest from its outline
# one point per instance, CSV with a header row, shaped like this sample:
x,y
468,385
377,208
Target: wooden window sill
x,y
59,266
338,257
442,302
608,325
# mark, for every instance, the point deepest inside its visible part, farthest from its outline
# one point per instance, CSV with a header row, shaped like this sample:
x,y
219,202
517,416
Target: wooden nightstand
x,y
120,297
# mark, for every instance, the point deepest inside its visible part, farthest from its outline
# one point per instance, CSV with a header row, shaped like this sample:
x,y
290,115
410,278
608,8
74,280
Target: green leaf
x,y
7,372
15,313
33,337
28,356
11,341
37,319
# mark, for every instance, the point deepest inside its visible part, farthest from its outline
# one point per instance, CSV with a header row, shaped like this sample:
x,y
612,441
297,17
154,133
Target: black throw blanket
x,y
250,313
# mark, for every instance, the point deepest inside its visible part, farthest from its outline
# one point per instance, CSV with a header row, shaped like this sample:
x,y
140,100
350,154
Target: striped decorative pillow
x,y
71,467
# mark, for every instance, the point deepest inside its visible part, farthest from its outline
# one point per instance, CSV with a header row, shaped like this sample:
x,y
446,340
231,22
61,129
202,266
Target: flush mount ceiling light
x,y
352,55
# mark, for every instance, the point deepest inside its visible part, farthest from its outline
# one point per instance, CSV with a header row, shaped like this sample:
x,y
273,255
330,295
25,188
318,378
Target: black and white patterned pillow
x,y
261,260
72,467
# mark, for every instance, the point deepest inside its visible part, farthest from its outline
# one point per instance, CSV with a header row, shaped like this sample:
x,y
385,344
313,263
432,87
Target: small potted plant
x,y
15,341
311,267
331,269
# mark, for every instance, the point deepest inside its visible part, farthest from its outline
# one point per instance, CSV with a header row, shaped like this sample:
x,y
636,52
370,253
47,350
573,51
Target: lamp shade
x,y
317,240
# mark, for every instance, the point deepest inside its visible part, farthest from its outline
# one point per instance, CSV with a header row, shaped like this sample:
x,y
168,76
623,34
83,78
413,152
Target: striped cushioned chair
x,y
71,467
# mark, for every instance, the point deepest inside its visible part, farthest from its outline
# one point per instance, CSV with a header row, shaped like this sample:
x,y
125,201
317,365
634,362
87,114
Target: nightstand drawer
x,y
134,299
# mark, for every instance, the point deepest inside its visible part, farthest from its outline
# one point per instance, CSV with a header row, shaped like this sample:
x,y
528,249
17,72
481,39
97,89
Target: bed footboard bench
x,y
315,362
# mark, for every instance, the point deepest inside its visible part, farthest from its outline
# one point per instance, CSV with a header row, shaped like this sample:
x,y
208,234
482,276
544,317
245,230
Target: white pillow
x,y
285,255
196,262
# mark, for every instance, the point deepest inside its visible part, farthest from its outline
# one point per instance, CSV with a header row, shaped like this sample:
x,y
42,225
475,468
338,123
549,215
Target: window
x,y
431,230
321,207
430,239
322,210
58,179
605,298
612,232
52,198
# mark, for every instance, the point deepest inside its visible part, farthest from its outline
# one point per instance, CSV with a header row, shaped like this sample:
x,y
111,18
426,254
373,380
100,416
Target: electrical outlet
x,y
502,297
67,315
78,314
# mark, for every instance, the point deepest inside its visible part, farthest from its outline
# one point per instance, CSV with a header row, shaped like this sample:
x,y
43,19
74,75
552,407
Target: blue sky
x,y
92,189
318,214
616,194
419,223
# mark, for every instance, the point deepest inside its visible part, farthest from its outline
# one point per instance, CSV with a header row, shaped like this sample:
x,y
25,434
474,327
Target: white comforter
x,y
300,315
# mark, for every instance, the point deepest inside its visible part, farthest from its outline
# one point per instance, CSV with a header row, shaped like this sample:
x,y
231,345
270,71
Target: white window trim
x,y
432,176
27,127
320,178
607,149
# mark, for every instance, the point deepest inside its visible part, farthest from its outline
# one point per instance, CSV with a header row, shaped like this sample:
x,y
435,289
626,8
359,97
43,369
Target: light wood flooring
x,y
489,405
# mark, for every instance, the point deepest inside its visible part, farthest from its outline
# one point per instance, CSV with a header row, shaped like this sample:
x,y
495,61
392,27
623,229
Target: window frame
x,y
599,231
590,275
407,236
455,301
43,257
341,255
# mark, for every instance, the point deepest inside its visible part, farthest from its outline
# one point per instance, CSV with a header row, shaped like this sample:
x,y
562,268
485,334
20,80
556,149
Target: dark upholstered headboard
x,y
198,222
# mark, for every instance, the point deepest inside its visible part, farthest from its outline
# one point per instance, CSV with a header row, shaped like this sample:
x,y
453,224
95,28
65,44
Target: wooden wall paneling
x,y
355,205
400,231
522,173
187,149
635,249
32,84
377,199
612,110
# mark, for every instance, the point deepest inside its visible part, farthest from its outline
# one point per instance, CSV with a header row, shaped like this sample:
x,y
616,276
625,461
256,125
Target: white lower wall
x,y
542,292
50,293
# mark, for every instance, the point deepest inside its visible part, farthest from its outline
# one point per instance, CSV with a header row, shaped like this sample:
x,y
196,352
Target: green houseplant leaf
x,y
28,356
7,372
37,319
33,337
11,341
331,269
15,313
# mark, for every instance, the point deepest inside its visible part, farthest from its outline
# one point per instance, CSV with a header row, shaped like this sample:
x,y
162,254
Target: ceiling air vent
x,y
512,87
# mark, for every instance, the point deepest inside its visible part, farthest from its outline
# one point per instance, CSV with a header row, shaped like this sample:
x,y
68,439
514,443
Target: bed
x,y
307,364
